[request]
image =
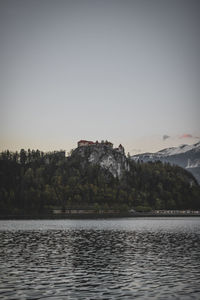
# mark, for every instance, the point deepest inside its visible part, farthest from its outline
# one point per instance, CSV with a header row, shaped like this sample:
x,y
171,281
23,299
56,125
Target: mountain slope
x,y
185,156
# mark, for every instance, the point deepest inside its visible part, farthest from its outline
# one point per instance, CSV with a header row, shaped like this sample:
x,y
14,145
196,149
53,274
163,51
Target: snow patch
x,y
179,150
169,152
193,164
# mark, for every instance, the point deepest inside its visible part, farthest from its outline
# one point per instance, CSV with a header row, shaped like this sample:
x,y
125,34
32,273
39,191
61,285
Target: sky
x,y
127,71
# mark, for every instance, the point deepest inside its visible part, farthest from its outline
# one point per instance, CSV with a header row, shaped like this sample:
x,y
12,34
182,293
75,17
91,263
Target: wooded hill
x,y
33,183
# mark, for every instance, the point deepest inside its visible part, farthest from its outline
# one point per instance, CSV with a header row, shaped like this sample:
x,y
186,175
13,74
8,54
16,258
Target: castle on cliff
x,y
83,143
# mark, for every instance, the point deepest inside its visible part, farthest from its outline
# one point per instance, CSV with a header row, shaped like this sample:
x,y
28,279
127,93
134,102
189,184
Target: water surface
x,y
144,258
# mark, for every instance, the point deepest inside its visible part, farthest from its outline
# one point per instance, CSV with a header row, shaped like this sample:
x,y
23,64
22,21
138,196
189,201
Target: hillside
x,y
33,182
185,156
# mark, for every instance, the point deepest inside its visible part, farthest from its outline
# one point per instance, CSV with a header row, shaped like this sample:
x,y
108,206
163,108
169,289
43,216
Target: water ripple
x,y
90,263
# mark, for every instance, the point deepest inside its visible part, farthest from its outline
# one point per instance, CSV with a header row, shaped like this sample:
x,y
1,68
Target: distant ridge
x,y
185,156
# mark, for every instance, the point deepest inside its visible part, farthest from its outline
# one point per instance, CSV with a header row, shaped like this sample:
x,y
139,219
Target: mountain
x,y
185,156
113,160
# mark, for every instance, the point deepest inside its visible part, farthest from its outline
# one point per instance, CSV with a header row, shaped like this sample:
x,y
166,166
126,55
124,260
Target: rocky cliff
x,y
108,158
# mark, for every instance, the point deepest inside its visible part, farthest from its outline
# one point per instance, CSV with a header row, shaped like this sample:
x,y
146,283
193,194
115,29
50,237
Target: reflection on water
x,y
116,259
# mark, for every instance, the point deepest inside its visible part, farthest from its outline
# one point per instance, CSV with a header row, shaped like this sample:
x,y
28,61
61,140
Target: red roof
x,y
84,141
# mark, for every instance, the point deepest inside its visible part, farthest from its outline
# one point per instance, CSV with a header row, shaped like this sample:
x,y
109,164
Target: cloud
x,y
186,136
165,137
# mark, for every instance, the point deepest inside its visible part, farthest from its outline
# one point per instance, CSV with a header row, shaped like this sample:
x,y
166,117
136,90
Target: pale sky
x,y
126,71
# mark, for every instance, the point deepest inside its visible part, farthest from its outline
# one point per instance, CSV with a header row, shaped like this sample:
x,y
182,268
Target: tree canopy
x,y
34,182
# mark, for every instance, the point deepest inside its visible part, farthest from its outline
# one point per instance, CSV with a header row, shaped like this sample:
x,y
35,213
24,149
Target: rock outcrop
x,y
105,156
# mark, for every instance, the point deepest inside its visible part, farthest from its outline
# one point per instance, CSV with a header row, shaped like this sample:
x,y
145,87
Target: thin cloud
x,y
186,136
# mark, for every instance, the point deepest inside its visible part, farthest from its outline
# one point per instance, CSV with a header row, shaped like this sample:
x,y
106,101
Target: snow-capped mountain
x,y
185,156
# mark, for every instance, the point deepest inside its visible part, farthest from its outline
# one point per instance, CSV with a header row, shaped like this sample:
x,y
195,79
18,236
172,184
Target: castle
x,y
83,143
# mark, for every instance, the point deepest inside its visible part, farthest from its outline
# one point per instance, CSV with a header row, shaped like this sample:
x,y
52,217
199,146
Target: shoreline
x,y
92,216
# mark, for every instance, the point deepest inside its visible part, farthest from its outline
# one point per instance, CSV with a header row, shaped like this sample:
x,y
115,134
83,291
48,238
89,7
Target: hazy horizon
x,y
126,71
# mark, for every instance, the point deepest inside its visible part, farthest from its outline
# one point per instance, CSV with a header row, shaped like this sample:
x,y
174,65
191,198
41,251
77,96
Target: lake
x,y
134,258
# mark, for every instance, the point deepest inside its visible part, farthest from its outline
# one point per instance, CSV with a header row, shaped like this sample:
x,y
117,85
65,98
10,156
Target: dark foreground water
x,y
100,259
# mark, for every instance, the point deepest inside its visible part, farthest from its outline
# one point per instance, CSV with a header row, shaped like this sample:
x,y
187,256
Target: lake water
x,y
135,258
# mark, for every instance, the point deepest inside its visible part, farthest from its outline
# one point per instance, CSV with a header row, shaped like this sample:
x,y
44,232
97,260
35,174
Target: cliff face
x,y
108,158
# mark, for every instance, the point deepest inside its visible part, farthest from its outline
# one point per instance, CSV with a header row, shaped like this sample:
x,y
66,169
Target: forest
x,y
34,183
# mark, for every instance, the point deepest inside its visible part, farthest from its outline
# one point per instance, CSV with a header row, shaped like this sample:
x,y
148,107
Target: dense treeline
x,y
33,182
